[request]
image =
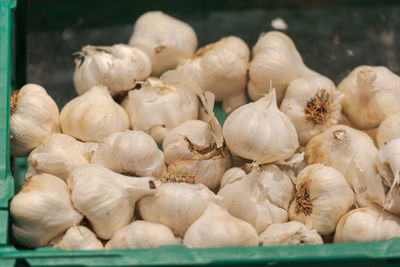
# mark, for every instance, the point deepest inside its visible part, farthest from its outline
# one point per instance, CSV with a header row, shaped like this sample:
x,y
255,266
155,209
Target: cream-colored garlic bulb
x,y
42,210
118,67
312,104
217,228
366,225
389,129
322,198
79,238
93,116
348,150
166,40
371,94
221,68
232,175
260,198
106,198
289,233
162,104
142,234
275,60
178,203
244,127
34,116
132,153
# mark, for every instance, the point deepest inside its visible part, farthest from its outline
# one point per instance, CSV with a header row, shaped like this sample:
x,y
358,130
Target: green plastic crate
x,y
37,39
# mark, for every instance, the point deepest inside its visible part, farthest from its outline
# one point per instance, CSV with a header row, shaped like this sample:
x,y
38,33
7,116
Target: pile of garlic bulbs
x,y
140,161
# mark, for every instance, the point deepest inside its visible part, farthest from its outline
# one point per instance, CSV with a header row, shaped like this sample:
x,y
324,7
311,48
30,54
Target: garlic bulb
x,y
118,67
389,129
348,150
312,104
93,116
244,126
42,210
366,225
132,153
260,198
322,198
107,199
217,228
371,94
232,175
166,40
162,104
221,68
289,233
79,238
275,60
178,203
142,234
34,116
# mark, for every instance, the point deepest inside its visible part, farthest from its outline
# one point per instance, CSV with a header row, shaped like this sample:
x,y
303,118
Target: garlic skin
x,y
221,68
106,198
275,60
371,94
34,116
93,116
366,225
133,153
289,233
232,175
162,104
42,210
142,234
79,238
217,228
118,67
313,105
389,129
322,198
244,126
165,40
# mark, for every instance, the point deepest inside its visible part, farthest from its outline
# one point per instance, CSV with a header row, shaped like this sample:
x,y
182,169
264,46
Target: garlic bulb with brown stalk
x,y
79,238
34,116
166,40
389,129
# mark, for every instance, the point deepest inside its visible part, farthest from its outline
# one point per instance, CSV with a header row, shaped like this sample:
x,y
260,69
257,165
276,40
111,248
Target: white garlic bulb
x,y
221,68
166,40
34,116
132,153
42,210
79,238
118,67
244,126
162,104
371,94
217,228
289,233
312,104
106,198
275,60
178,203
232,175
142,234
389,129
322,198
93,116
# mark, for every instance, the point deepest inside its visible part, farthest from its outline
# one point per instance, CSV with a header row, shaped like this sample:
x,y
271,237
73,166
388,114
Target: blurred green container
x,y
38,38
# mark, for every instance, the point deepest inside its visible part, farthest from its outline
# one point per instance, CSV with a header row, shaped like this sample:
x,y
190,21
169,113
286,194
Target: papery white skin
x,y
217,228
106,198
371,94
79,238
293,165
142,234
275,60
42,210
299,94
244,127
232,175
322,198
389,129
93,116
289,233
166,40
132,152
34,117
118,67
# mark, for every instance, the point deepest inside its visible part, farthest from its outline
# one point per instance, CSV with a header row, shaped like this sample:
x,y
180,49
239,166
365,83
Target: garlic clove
x,y
79,238
389,129
232,175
